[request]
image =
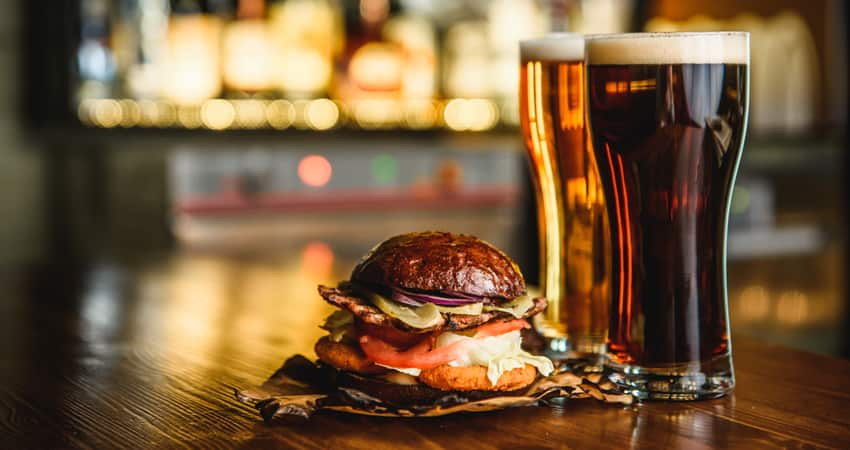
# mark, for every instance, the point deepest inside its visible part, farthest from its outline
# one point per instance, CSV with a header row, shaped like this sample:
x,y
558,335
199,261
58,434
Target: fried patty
x,y
369,313
345,356
474,378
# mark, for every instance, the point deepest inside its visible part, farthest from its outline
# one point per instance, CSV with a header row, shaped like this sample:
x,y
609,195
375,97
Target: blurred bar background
x,y
242,150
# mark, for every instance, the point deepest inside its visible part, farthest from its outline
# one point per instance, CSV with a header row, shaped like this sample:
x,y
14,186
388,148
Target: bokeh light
x,y
250,114
321,114
300,118
107,113
280,114
131,114
317,259
754,303
217,114
376,113
315,170
149,113
420,115
189,116
166,115
85,111
384,169
792,307
475,114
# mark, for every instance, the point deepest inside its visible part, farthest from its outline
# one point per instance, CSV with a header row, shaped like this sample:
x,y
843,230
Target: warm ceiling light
x,y
189,116
453,114
85,111
377,113
250,114
166,114
107,113
471,114
482,114
149,113
421,114
322,114
280,114
131,114
217,114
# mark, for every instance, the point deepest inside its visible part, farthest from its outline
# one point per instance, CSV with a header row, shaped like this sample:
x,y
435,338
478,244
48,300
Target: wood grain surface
x,y
147,356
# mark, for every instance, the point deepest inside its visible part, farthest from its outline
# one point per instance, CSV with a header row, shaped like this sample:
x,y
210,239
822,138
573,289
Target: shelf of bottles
x,y
302,64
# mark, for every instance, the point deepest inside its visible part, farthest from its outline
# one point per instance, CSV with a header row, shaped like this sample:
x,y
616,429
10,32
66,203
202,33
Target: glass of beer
x,y
667,115
574,246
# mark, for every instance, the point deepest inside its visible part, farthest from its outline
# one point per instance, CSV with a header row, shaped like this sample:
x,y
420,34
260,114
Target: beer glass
x,y
574,261
667,115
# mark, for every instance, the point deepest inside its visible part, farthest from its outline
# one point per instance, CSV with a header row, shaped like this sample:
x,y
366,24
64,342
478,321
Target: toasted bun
x,y
345,356
474,378
440,261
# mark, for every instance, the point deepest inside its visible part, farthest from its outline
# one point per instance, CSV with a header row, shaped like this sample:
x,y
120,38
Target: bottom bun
x,y
474,378
411,395
354,370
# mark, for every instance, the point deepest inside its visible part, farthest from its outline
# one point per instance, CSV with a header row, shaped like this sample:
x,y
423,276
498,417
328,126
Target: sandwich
x,y
428,314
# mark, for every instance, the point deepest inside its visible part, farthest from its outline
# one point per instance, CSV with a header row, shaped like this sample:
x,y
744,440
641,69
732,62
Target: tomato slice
x,y
390,335
422,356
499,328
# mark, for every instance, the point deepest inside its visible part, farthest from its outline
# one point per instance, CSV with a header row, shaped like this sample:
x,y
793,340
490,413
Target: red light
x,y
318,259
315,170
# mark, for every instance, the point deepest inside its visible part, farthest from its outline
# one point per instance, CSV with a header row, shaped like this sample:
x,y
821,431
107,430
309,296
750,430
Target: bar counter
x,y
147,355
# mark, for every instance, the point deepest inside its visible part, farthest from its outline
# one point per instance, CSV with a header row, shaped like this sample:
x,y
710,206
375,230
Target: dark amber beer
x,y
668,115
574,246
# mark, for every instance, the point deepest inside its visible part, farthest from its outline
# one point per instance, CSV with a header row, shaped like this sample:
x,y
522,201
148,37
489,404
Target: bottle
x,y
306,36
192,55
246,49
370,67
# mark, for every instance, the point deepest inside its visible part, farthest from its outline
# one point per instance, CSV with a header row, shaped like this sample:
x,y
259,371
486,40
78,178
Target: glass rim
x,y
686,47
554,36
664,34
560,46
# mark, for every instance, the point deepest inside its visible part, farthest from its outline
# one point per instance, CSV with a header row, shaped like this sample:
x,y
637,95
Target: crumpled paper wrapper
x,y
301,387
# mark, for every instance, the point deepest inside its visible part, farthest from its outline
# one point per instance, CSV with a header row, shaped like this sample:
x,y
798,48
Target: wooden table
x,y
147,356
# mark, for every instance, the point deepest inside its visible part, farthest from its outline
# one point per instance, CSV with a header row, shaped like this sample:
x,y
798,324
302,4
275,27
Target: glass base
x,y
589,352
676,382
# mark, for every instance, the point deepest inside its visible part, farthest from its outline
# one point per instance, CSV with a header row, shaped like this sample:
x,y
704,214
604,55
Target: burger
x,y
431,313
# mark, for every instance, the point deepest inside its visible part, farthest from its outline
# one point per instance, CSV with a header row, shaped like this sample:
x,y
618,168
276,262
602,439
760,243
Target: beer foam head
x,y
669,48
553,47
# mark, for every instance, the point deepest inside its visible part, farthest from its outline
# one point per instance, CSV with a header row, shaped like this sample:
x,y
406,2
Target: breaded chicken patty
x,y
345,356
474,378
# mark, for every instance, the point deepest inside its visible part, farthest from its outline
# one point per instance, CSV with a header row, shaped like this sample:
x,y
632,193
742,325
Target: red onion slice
x,y
421,297
405,299
464,295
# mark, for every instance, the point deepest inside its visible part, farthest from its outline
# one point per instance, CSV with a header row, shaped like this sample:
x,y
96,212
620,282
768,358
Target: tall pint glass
x,y
667,116
574,246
